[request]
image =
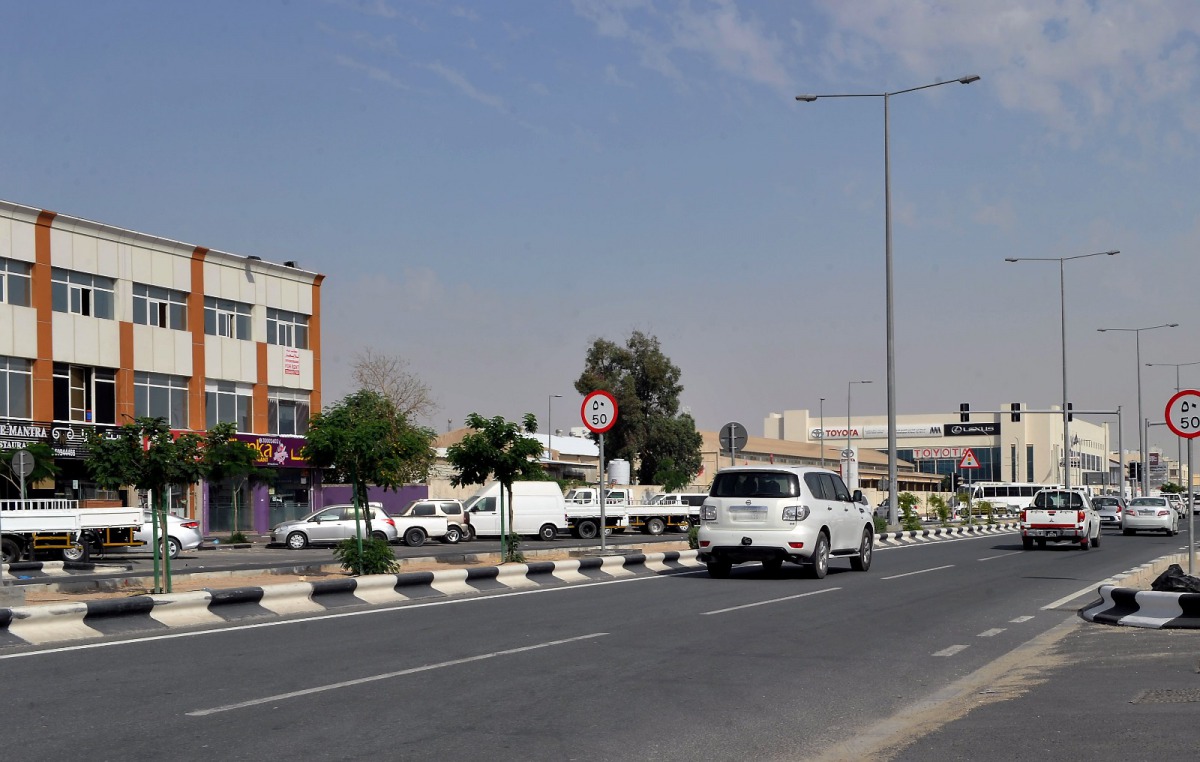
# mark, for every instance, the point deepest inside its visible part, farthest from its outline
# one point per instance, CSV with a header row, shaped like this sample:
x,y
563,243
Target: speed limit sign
x,y
599,411
1183,414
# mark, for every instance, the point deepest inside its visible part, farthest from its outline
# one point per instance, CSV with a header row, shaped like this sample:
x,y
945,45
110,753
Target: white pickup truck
x,y
1058,515
621,513
28,527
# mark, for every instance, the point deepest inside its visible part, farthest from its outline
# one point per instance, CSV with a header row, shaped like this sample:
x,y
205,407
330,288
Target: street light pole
x,y
1178,440
549,428
888,282
1062,297
822,432
849,452
1137,332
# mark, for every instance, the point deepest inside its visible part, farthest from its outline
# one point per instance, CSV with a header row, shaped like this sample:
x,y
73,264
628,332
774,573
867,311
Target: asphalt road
x,y
671,667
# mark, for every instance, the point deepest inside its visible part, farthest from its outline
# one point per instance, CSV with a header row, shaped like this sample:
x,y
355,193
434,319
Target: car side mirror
x,y
858,496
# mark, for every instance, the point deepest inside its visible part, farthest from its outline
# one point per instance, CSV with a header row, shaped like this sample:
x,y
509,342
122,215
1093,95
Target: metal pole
x,y
1062,298
1191,514
1121,453
1178,444
1141,434
847,454
822,432
891,322
603,512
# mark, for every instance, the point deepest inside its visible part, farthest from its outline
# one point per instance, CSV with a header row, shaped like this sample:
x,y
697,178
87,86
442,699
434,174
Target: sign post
x,y
599,413
22,463
733,434
1183,418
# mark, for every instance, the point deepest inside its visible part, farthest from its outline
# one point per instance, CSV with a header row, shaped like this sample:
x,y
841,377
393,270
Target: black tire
x,y
719,569
1128,532
78,552
1041,541
10,551
773,566
587,529
468,533
297,541
655,526
414,537
173,547
866,549
379,536
1085,544
1096,540
547,532
819,566
453,535
1027,543
683,526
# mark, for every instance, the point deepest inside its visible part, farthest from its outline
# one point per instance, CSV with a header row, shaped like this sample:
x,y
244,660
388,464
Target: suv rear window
x,y
1058,500
1105,501
755,484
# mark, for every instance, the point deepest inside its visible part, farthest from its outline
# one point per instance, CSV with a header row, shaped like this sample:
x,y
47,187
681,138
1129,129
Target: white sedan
x,y
182,534
1153,514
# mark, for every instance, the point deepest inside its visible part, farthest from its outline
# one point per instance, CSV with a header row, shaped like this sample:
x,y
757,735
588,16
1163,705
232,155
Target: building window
x,y
287,329
14,282
85,395
157,395
227,402
287,412
223,317
81,293
162,307
16,382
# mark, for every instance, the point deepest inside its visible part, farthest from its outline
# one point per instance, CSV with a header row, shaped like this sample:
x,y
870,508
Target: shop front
x,y
282,489
71,480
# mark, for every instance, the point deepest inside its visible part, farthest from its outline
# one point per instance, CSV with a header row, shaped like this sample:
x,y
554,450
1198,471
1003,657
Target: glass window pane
x,y
302,337
106,402
287,418
141,401
76,301
179,317
271,332
210,322
160,404
62,396
58,297
243,412
210,409
18,291
139,310
243,327
272,416
301,417
178,409
102,304
18,395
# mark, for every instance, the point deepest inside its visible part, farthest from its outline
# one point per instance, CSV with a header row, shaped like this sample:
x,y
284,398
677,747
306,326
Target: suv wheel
x,y
862,562
719,569
453,535
820,557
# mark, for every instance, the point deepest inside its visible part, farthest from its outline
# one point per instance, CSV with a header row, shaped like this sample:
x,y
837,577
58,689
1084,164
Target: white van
x,y
538,510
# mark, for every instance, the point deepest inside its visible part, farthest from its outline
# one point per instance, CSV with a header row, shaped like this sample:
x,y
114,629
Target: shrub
x,y
938,503
694,537
238,537
910,522
880,524
514,555
377,556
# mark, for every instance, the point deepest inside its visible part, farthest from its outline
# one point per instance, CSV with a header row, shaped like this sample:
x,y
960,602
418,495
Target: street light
x,y
1137,332
822,432
1178,388
887,224
549,428
1062,301
849,452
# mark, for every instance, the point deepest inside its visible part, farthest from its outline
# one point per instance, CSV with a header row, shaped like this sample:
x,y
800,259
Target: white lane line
x,y
1020,619
773,600
1006,555
950,651
990,633
1068,598
388,675
909,574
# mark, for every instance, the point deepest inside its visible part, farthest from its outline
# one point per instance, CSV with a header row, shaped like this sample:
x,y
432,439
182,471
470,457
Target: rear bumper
x,y
1054,533
741,546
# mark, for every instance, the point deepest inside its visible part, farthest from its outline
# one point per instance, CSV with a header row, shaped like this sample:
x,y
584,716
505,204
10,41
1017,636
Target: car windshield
x,y
755,484
1155,501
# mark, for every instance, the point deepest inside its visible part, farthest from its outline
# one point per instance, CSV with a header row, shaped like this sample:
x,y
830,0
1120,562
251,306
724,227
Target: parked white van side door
x,y
485,519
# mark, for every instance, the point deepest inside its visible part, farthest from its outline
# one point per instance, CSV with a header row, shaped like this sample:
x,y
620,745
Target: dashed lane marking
x,y
1020,619
990,633
773,600
950,651
909,574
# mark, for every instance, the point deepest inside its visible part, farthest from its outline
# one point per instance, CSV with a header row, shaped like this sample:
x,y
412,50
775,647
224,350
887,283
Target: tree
x,y
226,457
44,466
144,454
499,449
389,375
1171,488
365,440
650,431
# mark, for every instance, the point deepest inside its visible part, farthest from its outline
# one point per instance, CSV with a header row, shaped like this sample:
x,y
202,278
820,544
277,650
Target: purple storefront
x,y
286,493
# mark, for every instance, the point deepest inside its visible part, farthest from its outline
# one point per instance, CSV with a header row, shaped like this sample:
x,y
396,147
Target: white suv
x,y
774,514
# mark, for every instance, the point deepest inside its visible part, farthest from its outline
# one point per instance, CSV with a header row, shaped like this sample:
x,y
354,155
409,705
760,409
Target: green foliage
x,y
364,440
880,524
940,508
376,557
694,536
907,500
986,508
225,457
144,454
650,431
238,538
910,521
671,478
44,466
514,543
498,449
1171,488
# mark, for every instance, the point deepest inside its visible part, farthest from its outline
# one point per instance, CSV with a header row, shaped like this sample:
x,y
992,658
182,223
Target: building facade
x,y
100,325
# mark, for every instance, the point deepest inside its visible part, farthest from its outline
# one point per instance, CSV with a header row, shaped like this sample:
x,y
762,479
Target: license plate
x,y
1047,533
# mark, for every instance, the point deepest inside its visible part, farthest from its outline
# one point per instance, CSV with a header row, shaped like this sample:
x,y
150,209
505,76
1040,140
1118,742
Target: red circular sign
x,y
1183,413
599,411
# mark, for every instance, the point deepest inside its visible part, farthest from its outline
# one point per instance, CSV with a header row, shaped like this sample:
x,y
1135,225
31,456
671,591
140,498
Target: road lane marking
x,y
990,633
1068,598
1006,555
388,675
773,600
909,574
1020,619
950,651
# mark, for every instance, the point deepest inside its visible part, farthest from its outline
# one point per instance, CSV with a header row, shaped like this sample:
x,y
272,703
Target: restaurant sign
x,y
274,450
69,440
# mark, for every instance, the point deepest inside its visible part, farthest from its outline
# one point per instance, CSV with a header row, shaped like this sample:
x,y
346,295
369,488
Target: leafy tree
x,y
499,449
650,431
144,454
365,440
1171,488
226,457
44,466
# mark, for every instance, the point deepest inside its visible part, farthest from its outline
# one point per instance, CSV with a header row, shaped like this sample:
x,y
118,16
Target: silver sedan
x,y
333,524
1150,514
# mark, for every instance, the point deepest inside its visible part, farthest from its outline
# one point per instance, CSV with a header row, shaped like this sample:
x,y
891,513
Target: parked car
x,y
1111,509
1176,502
331,525
457,520
1153,514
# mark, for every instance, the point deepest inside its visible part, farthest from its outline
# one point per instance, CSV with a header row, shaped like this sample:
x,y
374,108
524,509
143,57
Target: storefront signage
x,y
936,453
971,429
276,451
291,362
877,431
69,440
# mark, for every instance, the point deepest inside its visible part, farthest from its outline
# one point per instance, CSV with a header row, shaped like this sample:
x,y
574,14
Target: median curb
x,y
1150,609
57,568
149,614
887,539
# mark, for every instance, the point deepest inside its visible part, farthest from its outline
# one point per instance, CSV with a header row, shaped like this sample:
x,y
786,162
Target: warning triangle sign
x,y
969,460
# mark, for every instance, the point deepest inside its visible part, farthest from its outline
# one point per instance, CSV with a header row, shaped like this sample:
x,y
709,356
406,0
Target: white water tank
x,y
618,471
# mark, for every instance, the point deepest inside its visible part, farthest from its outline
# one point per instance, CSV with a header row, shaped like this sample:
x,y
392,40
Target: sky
x,y
489,187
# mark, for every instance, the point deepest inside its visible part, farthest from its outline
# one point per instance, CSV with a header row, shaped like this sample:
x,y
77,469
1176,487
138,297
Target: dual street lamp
x,y
891,318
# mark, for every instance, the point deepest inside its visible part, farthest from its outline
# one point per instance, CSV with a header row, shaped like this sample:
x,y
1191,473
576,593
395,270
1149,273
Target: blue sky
x,y
489,186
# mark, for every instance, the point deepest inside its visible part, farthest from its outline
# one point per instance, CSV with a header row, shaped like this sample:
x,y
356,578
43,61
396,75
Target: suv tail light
x,y
1022,519
1081,516
795,513
708,512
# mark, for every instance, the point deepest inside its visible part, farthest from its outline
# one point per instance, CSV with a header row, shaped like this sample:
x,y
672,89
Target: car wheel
x,y
1085,544
683,526
772,566
820,557
78,551
1041,541
862,562
1127,532
468,533
173,547
587,530
10,552
297,541
414,537
547,533
655,526
453,535
1096,540
718,569
1027,543
379,536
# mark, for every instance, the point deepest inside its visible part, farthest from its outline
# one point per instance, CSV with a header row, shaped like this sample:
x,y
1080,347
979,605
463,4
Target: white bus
x,y
1005,497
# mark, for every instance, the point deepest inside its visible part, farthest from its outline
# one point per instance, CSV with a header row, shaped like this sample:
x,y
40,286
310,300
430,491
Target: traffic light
x,y
964,413
1135,471
1070,415
1016,411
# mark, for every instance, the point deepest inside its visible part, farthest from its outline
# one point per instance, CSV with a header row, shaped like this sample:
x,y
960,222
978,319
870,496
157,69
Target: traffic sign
x,y
599,411
1183,414
22,463
969,461
733,436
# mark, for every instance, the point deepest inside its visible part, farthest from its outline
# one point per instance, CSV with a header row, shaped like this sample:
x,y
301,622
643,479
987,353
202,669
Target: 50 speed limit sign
x,y
1183,414
599,411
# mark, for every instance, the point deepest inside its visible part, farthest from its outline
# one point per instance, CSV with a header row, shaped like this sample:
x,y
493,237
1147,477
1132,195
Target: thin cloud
x,y
373,73
613,77
460,82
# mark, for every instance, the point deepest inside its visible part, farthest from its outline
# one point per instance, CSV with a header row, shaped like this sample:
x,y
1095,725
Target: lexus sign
x,y
970,429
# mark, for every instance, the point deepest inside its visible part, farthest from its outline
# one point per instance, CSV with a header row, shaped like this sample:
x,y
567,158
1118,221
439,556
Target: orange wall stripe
x,y
314,343
197,415
125,374
260,390
42,299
